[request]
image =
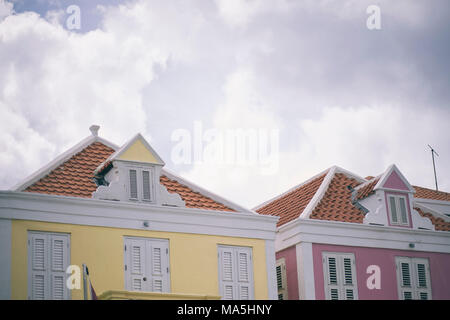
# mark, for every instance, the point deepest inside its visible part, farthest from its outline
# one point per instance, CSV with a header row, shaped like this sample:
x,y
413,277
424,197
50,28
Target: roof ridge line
x,y
292,189
319,193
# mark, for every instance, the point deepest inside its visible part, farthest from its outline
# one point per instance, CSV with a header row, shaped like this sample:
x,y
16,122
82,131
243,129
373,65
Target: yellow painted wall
x,y
193,258
138,152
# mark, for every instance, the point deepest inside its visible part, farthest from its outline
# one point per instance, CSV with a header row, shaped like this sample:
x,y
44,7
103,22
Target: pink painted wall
x,y
385,259
290,257
395,182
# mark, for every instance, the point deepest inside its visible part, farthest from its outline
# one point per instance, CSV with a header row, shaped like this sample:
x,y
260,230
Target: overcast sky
x,y
335,92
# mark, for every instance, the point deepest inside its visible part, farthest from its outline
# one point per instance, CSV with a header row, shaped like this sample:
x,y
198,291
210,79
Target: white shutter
x,y
413,277
59,263
146,192
244,263
339,276
235,273
38,252
281,279
147,265
403,211
49,257
158,252
133,184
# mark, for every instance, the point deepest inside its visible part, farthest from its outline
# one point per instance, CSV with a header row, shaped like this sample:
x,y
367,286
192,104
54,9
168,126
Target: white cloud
x,y
6,9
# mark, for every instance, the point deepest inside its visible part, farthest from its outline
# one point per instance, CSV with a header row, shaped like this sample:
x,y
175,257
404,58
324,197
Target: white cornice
x,y
81,211
360,235
45,170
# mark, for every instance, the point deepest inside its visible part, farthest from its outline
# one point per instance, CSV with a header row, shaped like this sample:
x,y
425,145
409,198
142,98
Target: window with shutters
x,y
235,273
413,277
141,182
398,212
339,276
281,279
146,264
48,259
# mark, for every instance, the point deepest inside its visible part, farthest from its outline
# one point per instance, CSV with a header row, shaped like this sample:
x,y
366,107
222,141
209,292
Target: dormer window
x,y
398,211
141,184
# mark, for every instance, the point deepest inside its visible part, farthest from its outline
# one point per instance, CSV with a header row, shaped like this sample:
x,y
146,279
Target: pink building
x,y
341,236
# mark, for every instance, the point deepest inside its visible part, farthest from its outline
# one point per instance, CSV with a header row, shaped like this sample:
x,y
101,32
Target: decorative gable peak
x,y
132,173
393,179
391,202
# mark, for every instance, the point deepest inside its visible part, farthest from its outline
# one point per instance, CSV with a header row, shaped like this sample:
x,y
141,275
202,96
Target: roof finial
x,y
94,129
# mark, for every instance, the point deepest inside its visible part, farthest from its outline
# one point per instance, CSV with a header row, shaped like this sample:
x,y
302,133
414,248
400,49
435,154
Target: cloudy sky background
x,y
338,93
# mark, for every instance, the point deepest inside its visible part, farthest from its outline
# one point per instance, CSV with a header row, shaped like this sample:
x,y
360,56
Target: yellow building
x,y
142,231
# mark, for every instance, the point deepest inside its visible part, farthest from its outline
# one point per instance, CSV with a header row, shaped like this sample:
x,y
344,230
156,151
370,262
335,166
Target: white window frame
x,y
146,258
236,283
282,284
414,288
398,209
140,183
49,273
340,287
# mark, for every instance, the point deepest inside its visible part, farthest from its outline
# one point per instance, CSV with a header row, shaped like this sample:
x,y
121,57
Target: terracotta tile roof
x,y
426,193
336,204
289,206
191,198
74,177
367,189
439,223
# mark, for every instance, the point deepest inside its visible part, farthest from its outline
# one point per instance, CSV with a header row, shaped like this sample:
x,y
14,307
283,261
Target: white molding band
x,y
305,271
360,235
105,213
5,259
272,289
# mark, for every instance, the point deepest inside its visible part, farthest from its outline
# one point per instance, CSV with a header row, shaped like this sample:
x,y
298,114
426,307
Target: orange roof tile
x,y
336,204
75,178
367,190
289,206
426,193
191,198
439,223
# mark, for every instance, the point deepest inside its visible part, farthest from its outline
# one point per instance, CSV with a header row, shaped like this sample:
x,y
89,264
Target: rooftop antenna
x,y
434,167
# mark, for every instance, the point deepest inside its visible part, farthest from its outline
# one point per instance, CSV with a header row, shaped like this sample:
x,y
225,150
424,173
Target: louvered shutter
x,y
147,265
158,253
59,264
49,257
281,280
133,184
227,274
235,273
393,209
243,256
422,275
403,211
137,265
146,192
404,276
39,248
413,275
340,276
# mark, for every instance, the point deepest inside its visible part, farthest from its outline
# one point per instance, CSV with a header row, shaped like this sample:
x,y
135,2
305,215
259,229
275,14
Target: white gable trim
x,y
319,194
169,174
435,213
125,147
386,176
45,170
291,189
